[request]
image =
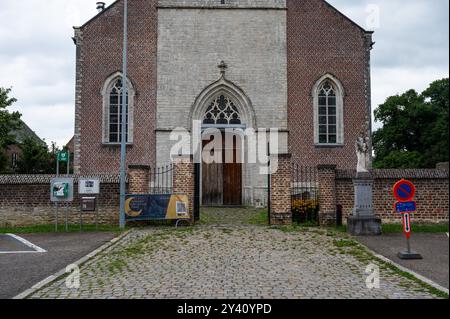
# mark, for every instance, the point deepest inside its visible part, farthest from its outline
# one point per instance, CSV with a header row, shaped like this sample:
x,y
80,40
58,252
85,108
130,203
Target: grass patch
x,y
312,228
117,260
341,243
227,231
307,224
360,253
61,229
289,229
259,218
425,286
416,228
339,229
204,218
118,265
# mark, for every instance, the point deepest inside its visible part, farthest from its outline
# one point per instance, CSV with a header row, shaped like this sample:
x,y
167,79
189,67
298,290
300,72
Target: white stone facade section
x,y
227,3
192,42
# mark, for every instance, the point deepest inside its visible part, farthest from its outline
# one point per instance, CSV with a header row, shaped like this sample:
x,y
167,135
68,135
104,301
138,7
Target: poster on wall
x,y
61,190
156,207
89,186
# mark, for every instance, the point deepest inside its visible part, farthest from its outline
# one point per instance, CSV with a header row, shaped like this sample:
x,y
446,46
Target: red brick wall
x,y
10,150
280,193
139,179
184,180
25,201
321,41
34,195
327,194
431,197
99,56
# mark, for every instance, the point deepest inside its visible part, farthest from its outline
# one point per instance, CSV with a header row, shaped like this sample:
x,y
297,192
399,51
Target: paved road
x,y
10,244
233,261
19,272
433,247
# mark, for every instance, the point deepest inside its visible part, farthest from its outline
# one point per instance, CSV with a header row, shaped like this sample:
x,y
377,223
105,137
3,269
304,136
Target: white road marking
x,y
19,252
36,249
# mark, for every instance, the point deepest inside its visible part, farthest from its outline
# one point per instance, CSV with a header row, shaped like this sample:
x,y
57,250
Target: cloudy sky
x,y
37,56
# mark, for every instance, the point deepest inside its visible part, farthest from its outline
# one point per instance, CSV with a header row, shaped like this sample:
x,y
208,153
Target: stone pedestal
x,y
363,221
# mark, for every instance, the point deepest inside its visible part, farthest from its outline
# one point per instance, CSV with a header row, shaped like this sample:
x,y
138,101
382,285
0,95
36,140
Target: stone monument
x,y
363,221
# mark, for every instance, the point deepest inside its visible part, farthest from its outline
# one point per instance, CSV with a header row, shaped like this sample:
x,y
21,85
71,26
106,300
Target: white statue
x,y
362,151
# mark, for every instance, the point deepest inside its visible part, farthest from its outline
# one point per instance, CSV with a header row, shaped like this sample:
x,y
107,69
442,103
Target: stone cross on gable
x,y
223,67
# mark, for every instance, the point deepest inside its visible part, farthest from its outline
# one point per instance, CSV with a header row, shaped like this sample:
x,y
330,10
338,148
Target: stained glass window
x,y
327,114
222,111
115,112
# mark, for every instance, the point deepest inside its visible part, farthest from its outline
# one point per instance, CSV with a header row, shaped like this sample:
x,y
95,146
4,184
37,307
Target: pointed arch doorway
x,y
225,112
222,154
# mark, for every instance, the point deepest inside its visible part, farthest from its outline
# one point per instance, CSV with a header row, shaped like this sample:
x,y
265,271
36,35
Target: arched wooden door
x,y
222,180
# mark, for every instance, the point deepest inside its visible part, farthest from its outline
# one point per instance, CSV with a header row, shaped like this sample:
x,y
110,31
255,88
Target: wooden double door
x,y
222,179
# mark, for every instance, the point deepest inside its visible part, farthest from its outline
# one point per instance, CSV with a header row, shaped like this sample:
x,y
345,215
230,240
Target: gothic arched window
x,y
112,111
222,111
328,112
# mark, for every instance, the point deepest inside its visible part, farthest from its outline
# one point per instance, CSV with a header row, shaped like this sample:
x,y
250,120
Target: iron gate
x,y
305,194
161,180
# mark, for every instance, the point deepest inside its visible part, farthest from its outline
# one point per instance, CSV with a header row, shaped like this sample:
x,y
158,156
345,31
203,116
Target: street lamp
x,y
123,143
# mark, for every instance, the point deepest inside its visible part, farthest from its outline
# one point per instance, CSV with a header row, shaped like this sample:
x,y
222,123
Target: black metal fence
x,y
305,194
161,180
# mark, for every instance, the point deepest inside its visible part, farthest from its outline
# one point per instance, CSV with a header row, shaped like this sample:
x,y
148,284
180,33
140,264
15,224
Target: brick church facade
x,y
299,66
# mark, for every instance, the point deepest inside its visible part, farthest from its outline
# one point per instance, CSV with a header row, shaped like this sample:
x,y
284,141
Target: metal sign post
x,y
89,187
123,139
269,186
56,204
404,192
65,156
61,189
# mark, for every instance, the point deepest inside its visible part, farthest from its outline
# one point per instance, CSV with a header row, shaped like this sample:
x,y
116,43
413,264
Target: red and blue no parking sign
x,y
404,191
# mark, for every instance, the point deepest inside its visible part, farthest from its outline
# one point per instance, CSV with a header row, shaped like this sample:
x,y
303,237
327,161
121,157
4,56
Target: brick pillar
x,y
327,195
280,192
183,179
138,179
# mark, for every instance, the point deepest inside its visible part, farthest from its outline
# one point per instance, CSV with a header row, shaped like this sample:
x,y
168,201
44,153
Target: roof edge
x,y
326,2
97,15
347,18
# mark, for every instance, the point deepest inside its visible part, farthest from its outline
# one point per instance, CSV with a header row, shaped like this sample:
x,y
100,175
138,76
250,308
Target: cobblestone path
x,y
232,255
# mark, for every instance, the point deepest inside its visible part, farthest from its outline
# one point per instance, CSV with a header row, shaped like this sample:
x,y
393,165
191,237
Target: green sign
x,y
60,190
63,156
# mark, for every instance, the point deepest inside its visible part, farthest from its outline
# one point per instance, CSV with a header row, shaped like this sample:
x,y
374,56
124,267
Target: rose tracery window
x,y
222,111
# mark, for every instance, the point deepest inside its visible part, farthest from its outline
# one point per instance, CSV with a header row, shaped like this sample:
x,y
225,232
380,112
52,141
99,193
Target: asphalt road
x,y
10,244
433,247
18,272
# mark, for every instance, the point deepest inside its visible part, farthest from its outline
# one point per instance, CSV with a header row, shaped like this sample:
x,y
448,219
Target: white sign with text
x,y
89,186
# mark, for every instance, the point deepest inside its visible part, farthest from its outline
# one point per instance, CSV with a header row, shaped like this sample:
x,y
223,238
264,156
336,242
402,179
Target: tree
x,y
8,123
415,128
3,160
35,158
